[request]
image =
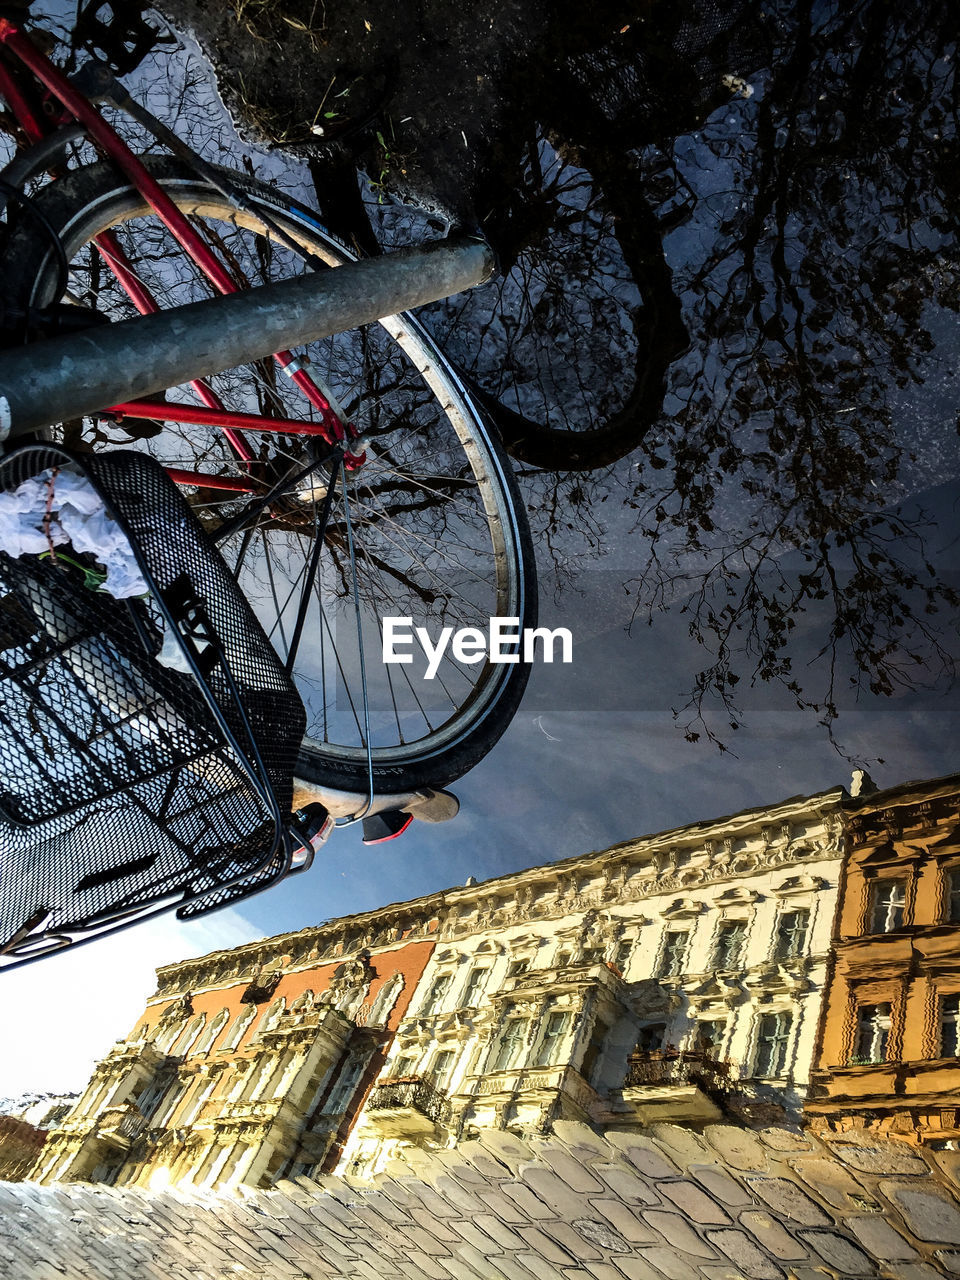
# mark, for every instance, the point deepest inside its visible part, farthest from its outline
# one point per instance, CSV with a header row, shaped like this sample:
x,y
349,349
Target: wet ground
x,y
721,347
729,234
730,250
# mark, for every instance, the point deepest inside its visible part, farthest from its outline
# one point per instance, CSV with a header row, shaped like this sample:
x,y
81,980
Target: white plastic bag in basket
x,y
77,516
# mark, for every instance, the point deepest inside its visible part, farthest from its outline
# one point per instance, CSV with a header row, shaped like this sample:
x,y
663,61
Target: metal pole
x,y
62,378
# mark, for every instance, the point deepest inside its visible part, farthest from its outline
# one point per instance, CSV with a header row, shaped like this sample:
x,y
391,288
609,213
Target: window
x,y
674,952
342,1091
952,912
211,1032
436,994
184,1042
728,945
271,1017
563,959
773,1041
554,1031
873,1033
590,1067
511,1044
385,1000
403,1066
950,1027
887,901
709,1038
441,1068
235,1034
516,967
476,981
593,955
791,936
622,958
651,1038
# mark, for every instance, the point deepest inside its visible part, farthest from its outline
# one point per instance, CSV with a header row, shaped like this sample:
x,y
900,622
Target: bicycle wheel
x,y
430,528
569,347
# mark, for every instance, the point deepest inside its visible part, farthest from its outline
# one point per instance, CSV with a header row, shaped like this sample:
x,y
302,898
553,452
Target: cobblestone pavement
x,y
727,1205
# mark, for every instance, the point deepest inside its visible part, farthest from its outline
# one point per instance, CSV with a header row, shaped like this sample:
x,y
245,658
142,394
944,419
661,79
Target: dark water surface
x,y
731,288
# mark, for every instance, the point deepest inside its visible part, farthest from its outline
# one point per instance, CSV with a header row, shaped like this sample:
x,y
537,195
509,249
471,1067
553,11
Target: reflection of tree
x,y
810,230
811,305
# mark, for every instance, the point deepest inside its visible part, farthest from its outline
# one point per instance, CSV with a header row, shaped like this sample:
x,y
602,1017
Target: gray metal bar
x,y
48,382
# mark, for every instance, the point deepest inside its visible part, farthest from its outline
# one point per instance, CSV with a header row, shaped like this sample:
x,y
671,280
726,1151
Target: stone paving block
x,y
439,1228
332,1224
910,1271
744,1253
786,1140
507,1210
721,1185
552,1190
484,1161
508,1148
635,1268
602,1234
877,1157
683,1145
456,1199
626,1184
540,1243
568,1168
678,1232
572,1241
738,1148
881,1239
425,1240
929,1214
459,1269
426,1265
840,1252
949,1260
606,1271
788,1200
485,1265
538,1266
577,1134
625,1220
512,1268
453,1163
380,1203
476,1236
829,1179
773,1235
948,1162
694,1203
734,1273
497,1231
644,1155
670,1263
525,1198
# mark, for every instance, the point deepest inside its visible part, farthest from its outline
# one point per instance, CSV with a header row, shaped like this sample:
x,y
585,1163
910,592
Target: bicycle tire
x,y
426,419
581,326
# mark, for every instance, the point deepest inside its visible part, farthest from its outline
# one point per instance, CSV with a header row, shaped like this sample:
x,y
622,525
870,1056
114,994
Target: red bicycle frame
x,y
38,123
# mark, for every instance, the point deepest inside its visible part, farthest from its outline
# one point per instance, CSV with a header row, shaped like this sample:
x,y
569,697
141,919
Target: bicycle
x,y
434,514
341,484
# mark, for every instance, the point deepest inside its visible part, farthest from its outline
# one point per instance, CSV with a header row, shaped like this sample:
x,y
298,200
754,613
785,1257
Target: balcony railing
x,y
411,1093
120,1125
711,1074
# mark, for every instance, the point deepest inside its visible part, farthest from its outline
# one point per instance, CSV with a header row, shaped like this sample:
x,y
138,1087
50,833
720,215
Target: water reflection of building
x,y
674,977
246,1063
671,978
890,1056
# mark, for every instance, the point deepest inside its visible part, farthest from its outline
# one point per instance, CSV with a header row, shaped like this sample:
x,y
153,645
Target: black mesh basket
x,y
127,785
